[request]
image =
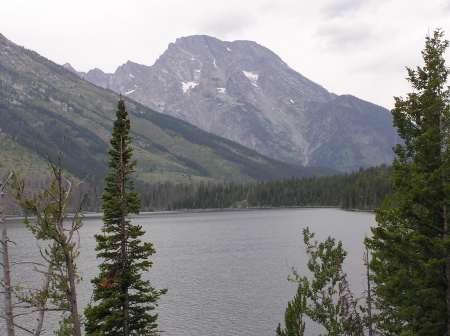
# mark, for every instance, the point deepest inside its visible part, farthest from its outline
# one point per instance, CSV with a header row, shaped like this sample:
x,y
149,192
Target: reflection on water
x,y
226,271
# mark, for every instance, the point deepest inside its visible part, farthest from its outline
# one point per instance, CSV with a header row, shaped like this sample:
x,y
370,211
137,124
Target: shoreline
x,y
95,214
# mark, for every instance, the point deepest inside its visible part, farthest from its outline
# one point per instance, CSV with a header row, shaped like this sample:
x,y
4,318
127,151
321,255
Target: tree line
x,y
364,189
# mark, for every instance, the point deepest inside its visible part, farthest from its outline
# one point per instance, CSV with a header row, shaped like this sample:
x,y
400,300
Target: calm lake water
x,y
226,271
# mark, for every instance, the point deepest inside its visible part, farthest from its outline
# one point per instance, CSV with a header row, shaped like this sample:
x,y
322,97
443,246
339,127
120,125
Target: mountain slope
x,y
41,103
246,93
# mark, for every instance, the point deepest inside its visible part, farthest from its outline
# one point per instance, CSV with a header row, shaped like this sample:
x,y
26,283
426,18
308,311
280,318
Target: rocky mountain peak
x,y
69,67
244,92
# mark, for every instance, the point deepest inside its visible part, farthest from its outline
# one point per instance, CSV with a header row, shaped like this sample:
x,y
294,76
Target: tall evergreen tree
x,y
410,247
124,299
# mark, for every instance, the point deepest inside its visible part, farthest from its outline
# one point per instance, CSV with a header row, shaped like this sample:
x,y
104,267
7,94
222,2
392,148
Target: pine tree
x,y
124,299
410,247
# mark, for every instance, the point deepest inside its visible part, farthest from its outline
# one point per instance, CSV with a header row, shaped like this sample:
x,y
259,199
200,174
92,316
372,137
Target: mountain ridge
x,y
244,92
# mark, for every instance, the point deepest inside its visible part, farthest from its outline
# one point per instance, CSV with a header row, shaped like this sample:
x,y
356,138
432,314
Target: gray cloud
x,y
342,7
446,7
339,37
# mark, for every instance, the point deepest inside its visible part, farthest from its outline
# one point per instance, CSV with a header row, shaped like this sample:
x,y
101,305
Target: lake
x,y
226,271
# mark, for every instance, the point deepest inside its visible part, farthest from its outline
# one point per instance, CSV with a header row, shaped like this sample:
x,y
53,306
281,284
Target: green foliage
x,y
293,318
410,258
124,299
326,299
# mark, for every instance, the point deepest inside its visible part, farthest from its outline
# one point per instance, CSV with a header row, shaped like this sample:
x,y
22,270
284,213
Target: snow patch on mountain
x,y
252,77
189,85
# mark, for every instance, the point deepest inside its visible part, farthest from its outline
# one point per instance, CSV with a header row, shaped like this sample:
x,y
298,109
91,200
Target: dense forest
x,y
362,190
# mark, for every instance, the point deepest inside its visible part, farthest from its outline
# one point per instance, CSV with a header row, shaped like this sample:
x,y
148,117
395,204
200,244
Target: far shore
x,y
99,214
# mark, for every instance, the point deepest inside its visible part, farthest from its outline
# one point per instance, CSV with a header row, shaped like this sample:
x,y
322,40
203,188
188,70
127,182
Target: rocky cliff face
x,y
244,92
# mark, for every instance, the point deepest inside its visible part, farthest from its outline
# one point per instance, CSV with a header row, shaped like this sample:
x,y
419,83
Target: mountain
x,y
42,103
244,92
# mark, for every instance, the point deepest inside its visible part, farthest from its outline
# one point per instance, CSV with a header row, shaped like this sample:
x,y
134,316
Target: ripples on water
x,y
226,271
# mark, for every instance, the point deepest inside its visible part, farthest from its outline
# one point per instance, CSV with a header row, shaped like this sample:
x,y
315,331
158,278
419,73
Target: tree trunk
x,y
9,317
369,296
73,294
447,270
126,299
124,238
40,319
126,314
443,149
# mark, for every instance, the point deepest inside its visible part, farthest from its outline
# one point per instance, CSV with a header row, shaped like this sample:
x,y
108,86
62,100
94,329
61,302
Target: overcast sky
x,y
358,47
